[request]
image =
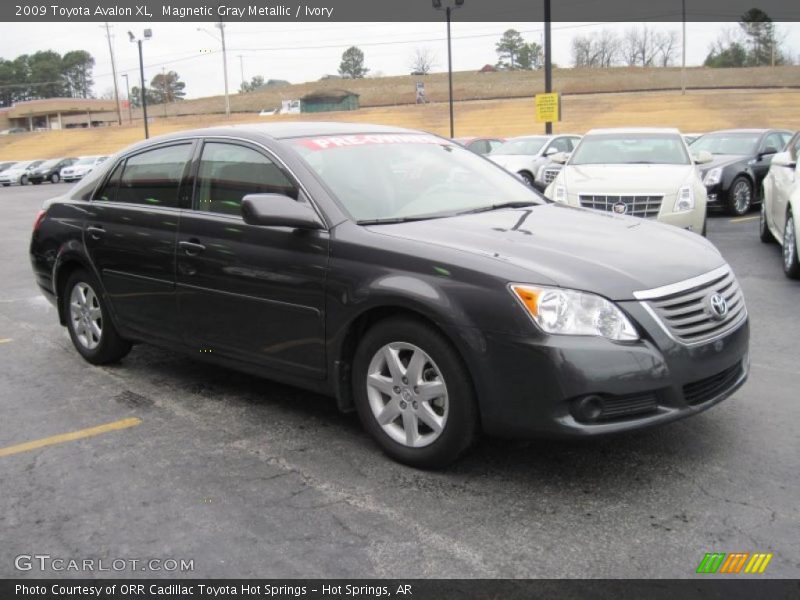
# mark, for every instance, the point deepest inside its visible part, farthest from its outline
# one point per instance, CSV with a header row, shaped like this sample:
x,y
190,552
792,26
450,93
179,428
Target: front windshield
x,y
86,160
727,143
407,176
528,146
631,149
49,163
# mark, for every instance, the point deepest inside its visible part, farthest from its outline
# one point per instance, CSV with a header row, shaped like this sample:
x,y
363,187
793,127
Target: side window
x,y
229,172
785,138
494,144
773,141
108,192
561,145
573,143
153,177
794,147
479,146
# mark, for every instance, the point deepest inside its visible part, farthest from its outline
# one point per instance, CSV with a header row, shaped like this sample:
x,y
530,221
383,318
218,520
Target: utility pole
x,y
241,67
166,89
128,96
683,67
114,73
221,26
548,59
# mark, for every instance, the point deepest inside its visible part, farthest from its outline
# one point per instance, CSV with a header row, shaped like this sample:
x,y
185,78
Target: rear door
x,y
250,292
130,233
783,184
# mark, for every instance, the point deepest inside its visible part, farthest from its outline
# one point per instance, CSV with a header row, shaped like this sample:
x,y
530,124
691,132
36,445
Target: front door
x,y
244,291
130,234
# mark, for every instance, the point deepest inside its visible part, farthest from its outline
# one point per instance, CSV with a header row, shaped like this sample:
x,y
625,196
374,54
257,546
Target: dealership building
x,y
58,113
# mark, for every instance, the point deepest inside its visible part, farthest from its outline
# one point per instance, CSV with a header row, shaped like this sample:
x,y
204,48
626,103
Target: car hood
x,y
570,247
723,160
13,172
513,162
620,179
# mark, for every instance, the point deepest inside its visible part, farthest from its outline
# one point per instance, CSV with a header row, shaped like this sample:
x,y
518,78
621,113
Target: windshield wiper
x,y
502,205
390,220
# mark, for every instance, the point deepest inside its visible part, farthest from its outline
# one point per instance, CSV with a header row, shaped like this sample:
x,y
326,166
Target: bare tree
x,y
597,50
422,61
665,44
638,47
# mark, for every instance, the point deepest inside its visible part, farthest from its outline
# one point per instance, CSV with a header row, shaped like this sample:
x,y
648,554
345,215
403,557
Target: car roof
x,y
609,130
752,130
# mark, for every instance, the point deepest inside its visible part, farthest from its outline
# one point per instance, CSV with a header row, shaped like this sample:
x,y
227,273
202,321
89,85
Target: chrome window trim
x,y
681,286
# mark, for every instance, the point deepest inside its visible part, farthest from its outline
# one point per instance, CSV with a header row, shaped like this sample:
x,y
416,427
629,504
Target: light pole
x,y
548,59
683,43
448,6
128,96
148,33
221,27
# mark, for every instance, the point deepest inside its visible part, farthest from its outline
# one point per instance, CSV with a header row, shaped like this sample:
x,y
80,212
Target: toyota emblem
x,y
718,306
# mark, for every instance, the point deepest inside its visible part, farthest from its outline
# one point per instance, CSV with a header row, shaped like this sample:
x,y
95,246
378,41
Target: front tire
x,y
54,178
791,262
764,234
90,328
740,196
413,393
23,180
527,178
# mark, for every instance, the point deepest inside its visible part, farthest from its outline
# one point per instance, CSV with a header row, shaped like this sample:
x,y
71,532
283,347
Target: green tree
x,y
531,56
734,55
509,48
76,68
250,86
352,65
167,87
46,75
136,97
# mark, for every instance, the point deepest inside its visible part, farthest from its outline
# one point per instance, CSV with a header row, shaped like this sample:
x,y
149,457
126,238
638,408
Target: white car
x,y
18,174
646,173
80,168
780,210
529,156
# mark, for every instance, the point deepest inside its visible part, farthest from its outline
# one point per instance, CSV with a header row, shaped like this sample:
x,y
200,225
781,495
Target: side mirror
x,y
767,152
560,158
277,210
703,157
784,159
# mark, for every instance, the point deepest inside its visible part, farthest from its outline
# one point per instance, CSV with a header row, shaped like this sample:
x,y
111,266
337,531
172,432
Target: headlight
x,y
560,194
569,312
685,199
713,177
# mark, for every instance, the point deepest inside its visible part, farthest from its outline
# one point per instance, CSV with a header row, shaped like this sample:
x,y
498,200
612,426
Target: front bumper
x,y
716,195
531,386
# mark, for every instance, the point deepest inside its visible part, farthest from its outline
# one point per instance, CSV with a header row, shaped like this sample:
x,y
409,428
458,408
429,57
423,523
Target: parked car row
x,y
53,170
668,176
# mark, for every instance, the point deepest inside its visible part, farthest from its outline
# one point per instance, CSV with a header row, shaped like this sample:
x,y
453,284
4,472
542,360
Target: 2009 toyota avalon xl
x,y
411,279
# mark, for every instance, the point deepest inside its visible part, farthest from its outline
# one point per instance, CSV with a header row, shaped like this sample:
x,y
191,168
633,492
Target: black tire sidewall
x,y
54,178
529,179
461,424
111,347
763,229
793,270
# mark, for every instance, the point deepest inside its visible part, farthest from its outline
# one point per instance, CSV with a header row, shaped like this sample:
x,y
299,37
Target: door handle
x,y
95,232
191,248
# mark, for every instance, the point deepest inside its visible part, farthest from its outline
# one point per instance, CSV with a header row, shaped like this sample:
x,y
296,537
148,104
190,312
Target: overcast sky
x,y
301,52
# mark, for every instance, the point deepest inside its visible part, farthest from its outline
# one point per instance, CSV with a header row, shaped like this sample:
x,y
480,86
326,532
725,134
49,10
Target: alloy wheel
x,y
86,316
742,197
407,394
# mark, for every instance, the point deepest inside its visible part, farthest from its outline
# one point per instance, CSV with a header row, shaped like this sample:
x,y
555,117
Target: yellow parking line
x,y
744,219
69,437
5,340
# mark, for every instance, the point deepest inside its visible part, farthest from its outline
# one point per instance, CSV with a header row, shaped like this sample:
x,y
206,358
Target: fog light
x,y
588,408
712,197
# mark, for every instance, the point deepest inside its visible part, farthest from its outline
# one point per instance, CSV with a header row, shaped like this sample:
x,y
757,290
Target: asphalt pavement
x,y
249,478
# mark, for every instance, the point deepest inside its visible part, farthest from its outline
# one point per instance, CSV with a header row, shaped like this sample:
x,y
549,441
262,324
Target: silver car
x,y
529,156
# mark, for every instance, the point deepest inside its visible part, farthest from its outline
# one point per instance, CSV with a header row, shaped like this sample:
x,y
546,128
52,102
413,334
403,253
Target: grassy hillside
x,y
696,111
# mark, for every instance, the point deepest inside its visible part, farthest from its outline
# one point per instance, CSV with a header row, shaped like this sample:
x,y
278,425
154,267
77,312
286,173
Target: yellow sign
x,y
548,108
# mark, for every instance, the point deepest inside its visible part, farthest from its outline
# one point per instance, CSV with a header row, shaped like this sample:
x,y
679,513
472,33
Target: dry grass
x,y
696,111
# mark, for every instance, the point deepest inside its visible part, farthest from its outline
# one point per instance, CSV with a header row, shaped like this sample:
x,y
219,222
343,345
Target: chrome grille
x,y
643,206
550,174
687,313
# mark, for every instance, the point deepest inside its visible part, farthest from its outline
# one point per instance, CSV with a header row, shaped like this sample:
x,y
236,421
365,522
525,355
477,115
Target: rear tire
x,y
764,234
23,180
791,262
740,196
92,332
407,374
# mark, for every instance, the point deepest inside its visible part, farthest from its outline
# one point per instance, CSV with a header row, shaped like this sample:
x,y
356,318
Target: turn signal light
x,y
38,220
